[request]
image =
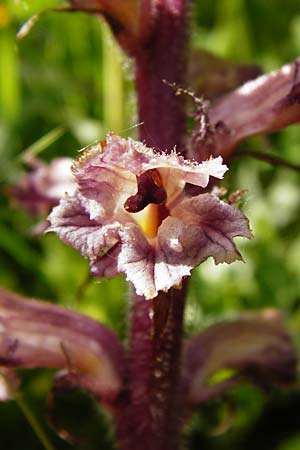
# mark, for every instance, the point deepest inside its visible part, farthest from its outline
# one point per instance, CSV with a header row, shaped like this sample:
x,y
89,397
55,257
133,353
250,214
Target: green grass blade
x,y
44,142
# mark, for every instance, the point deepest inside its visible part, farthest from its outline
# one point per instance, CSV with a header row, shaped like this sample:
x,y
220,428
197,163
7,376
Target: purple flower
x,y
263,105
130,214
40,334
255,346
42,188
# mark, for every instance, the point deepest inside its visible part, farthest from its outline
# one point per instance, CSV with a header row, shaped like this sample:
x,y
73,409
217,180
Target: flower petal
x,y
71,221
203,226
257,346
102,177
136,260
40,334
110,170
107,264
149,267
266,104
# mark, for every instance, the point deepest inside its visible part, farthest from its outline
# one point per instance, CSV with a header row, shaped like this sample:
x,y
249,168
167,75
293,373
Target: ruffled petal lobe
x,y
206,226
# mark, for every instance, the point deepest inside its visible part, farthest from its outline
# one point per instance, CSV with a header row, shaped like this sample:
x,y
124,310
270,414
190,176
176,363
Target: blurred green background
x,y
68,83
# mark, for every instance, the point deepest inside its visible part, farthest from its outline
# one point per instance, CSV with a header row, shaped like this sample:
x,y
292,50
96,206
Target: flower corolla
x,y
130,214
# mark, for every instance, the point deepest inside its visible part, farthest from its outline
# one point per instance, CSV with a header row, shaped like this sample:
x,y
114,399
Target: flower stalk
x,y
153,396
161,59
156,326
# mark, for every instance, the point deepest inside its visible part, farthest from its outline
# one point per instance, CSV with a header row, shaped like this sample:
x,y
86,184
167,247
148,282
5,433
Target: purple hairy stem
x,y
151,418
152,401
133,426
153,398
166,395
160,62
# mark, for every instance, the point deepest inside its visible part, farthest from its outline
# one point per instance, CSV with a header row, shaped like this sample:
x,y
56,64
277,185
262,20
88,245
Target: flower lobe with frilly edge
x,y
129,214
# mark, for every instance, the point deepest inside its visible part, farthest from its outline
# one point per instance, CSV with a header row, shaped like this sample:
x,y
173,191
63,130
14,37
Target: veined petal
x,y
199,227
115,164
40,334
103,180
98,241
149,266
265,104
72,223
137,260
203,226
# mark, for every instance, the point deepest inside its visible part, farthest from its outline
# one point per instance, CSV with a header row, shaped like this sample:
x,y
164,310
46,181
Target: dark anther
x,y
150,190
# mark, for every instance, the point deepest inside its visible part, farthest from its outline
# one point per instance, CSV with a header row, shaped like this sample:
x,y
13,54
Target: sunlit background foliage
x,y
66,85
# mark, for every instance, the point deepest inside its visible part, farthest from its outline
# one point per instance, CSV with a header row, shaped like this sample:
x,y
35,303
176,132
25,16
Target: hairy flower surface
x,y
129,214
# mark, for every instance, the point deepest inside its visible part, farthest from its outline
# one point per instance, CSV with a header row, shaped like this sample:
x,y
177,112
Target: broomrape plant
x,y
147,209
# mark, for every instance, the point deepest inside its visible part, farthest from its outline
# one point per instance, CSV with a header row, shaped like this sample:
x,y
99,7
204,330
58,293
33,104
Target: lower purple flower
x,y
40,334
254,347
130,214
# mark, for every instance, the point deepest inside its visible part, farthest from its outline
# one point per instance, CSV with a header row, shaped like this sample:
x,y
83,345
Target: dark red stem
x,y
165,393
149,416
159,63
